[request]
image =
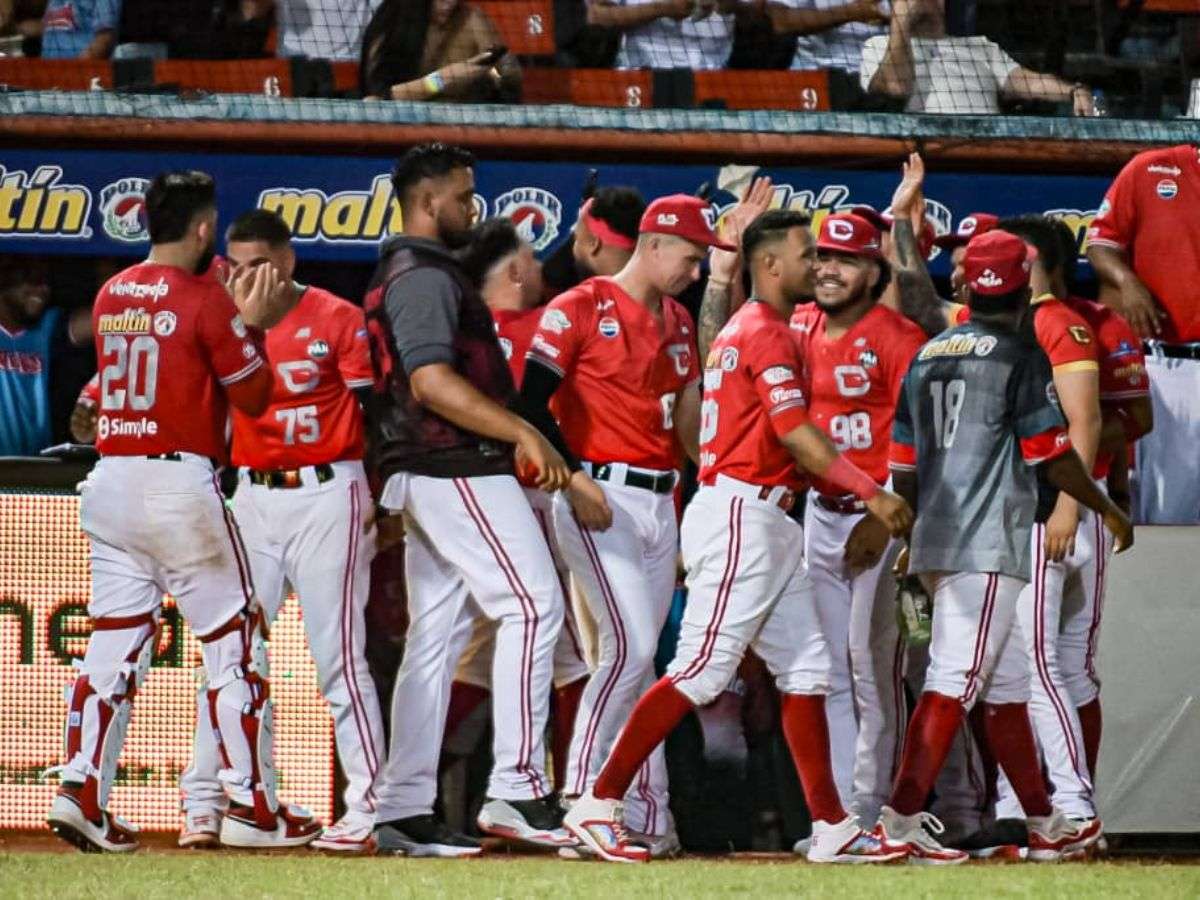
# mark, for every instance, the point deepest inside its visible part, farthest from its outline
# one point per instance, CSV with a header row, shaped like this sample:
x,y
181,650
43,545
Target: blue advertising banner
x,y
339,208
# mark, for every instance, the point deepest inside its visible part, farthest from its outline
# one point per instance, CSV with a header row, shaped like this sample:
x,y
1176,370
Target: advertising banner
x,y
339,208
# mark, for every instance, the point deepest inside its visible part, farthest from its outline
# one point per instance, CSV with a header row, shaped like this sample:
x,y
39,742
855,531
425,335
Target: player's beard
x,y
206,258
831,308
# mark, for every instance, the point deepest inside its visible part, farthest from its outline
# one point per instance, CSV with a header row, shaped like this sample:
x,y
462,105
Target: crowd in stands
x,y
938,56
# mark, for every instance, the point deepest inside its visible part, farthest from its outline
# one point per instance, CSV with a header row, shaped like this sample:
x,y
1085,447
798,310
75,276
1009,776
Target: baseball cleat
x,y
918,833
201,829
661,846
346,836
596,824
421,836
111,834
1056,837
294,827
1005,839
536,822
846,842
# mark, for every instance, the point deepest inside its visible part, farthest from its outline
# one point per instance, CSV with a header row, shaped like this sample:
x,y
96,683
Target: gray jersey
x,y
977,412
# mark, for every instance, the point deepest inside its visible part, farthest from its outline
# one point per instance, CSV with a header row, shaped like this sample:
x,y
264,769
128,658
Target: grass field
x,y
177,876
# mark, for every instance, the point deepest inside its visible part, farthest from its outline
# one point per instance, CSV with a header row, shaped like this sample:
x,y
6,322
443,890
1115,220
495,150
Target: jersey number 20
x,y
947,404
137,359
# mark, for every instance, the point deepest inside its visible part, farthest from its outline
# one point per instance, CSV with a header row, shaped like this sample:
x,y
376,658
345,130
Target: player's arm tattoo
x,y
714,313
919,301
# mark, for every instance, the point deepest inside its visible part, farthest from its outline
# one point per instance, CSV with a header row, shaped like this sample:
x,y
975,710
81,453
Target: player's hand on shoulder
x,y
1121,528
261,296
589,503
540,461
1060,531
893,511
866,543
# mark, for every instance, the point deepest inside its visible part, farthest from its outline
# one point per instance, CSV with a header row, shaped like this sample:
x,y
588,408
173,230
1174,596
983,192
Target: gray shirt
x,y
422,306
977,413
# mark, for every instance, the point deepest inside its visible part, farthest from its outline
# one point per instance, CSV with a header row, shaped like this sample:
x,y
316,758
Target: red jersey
x,y
320,353
1150,212
514,329
89,394
1064,336
752,397
167,343
853,382
621,370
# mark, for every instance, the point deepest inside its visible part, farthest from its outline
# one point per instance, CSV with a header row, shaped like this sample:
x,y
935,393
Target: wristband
x,y
849,477
716,282
434,83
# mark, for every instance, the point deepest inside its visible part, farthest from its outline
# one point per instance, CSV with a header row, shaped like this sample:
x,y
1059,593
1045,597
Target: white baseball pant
x,y
748,586
470,540
866,705
627,575
570,663
161,526
1059,617
320,537
1168,469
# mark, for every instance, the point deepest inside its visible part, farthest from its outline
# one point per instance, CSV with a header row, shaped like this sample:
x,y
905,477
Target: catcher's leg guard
x,y
99,705
239,708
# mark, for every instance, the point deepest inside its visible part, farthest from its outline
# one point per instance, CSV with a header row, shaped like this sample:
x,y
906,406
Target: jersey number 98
x,y
851,432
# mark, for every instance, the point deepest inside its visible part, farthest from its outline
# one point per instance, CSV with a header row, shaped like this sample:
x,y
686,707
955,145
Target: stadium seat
x,y
58,74
243,76
542,85
745,89
526,26
608,87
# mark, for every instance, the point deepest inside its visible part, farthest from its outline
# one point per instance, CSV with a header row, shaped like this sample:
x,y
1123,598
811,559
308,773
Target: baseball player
x,y
976,415
510,280
618,357
855,352
444,442
157,522
305,513
747,582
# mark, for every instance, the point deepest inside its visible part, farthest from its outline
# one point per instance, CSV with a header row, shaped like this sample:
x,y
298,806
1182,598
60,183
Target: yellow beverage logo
x,y
354,216
127,321
37,205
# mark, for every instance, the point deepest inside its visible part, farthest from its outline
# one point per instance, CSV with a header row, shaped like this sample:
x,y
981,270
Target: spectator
x,y
317,29
31,339
670,34
831,34
436,50
1145,249
935,73
80,29
193,29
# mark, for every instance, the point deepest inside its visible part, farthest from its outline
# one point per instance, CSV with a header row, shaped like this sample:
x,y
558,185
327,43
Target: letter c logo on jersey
x,y
301,376
840,230
680,353
852,381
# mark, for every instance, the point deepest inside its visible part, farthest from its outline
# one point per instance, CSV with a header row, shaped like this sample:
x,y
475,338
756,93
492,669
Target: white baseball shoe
x,y
536,822
918,833
1056,837
596,824
347,836
294,827
201,829
846,842
111,834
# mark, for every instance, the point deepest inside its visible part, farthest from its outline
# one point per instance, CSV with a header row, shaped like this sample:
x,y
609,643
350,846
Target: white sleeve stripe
x,y
783,407
554,367
901,467
1104,242
358,382
242,372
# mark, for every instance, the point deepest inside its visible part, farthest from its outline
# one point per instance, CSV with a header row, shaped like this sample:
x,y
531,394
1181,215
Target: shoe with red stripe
x,y
919,833
347,836
201,829
846,842
596,824
1056,837
111,834
294,827
537,822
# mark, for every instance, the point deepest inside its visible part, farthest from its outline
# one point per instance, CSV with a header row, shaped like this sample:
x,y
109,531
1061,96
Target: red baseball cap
x,y
883,221
852,234
997,262
683,216
975,223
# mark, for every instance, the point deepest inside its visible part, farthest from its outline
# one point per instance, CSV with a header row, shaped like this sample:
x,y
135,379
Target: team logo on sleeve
x,y
785,395
729,359
318,349
985,345
238,326
555,321
164,323
535,212
1167,189
123,210
506,347
778,375
609,327
1080,334
868,359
